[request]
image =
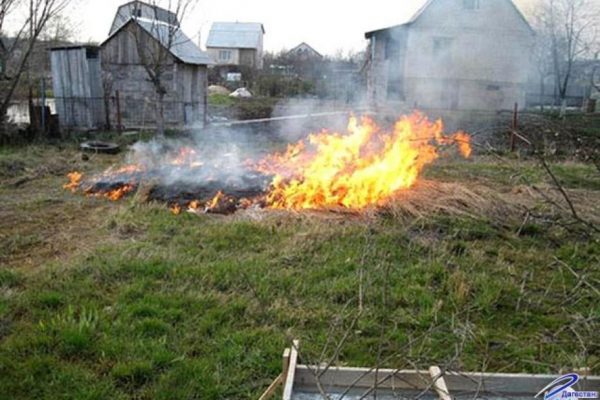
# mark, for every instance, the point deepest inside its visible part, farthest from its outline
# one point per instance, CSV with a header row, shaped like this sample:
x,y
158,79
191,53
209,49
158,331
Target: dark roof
x,y
428,3
75,47
182,47
235,35
307,45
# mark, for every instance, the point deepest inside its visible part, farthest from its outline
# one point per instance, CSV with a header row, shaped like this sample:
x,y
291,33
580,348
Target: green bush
x,y
281,86
255,108
221,100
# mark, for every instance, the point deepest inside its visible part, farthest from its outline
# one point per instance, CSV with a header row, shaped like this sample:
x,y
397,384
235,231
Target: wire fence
x,y
123,112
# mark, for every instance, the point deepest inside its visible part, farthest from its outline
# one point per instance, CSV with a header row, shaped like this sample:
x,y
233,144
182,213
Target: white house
x,y
236,43
453,54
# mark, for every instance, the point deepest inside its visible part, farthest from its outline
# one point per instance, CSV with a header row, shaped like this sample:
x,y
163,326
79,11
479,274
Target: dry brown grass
x,y
475,200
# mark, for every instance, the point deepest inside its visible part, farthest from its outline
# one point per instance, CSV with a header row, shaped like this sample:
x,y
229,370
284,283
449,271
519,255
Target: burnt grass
x,y
125,300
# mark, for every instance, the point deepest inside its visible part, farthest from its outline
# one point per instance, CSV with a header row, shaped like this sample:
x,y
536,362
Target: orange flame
x,y
195,205
176,209
74,181
364,167
187,157
215,200
118,194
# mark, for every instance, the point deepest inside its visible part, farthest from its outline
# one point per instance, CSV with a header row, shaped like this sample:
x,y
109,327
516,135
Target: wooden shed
x,y
77,85
184,74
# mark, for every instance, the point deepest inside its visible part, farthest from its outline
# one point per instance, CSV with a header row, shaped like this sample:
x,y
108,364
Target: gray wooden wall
x,y
185,101
77,85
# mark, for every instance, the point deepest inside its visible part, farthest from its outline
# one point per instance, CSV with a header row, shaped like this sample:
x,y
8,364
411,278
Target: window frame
x,y
225,55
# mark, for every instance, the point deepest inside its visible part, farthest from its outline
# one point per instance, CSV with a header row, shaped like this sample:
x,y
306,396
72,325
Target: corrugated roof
x,y
182,47
237,35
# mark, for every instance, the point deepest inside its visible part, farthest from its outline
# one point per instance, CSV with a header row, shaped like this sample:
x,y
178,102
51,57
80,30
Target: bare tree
x,y
16,52
571,30
155,38
542,55
60,28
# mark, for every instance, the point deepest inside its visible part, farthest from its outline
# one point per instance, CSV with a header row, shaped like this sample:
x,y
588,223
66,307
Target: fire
x,y
74,181
195,205
118,194
361,168
187,157
215,200
127,169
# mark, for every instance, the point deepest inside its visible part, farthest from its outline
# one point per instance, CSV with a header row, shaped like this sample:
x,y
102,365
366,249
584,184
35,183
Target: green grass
x,y
124,300
491,172
221,100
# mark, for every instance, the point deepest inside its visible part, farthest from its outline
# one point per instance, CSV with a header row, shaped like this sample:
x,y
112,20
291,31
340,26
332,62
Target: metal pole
x,y
515,126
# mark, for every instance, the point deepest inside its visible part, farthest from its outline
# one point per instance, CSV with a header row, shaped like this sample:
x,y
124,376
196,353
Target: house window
x,y
224,55
137,12
471,4
441,45
392,49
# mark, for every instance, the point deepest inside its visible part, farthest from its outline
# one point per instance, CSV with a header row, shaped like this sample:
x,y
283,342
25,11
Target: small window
x,y
441,45
392,49
471,4
224,55
91,53
493,88
137,12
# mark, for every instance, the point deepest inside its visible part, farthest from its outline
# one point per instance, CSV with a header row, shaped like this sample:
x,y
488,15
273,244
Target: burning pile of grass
x,y
358,170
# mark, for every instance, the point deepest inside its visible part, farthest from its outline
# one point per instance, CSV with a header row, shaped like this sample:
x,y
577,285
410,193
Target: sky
x,y
327,25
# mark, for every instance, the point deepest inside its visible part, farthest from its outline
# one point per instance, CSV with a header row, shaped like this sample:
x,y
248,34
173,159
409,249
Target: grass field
x,y
125,300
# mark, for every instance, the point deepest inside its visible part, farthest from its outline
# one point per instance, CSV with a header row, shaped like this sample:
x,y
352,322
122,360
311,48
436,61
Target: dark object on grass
x,y
85,157
100,147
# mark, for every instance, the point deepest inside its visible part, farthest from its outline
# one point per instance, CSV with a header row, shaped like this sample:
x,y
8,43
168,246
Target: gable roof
x,y
235,35
182,47
305,45
425,6
123,15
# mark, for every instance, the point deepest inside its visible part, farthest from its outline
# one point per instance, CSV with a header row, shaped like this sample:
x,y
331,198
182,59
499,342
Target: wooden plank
x,y
439,384
471,382
280,379
285,361
364,378
290,376
508,383
272,387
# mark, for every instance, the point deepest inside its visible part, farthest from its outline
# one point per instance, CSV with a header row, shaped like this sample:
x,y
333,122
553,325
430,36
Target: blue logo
x,y
560,389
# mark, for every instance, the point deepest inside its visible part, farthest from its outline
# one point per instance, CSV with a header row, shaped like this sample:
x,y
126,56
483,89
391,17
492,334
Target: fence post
x,y
43,83
515,126
119,125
